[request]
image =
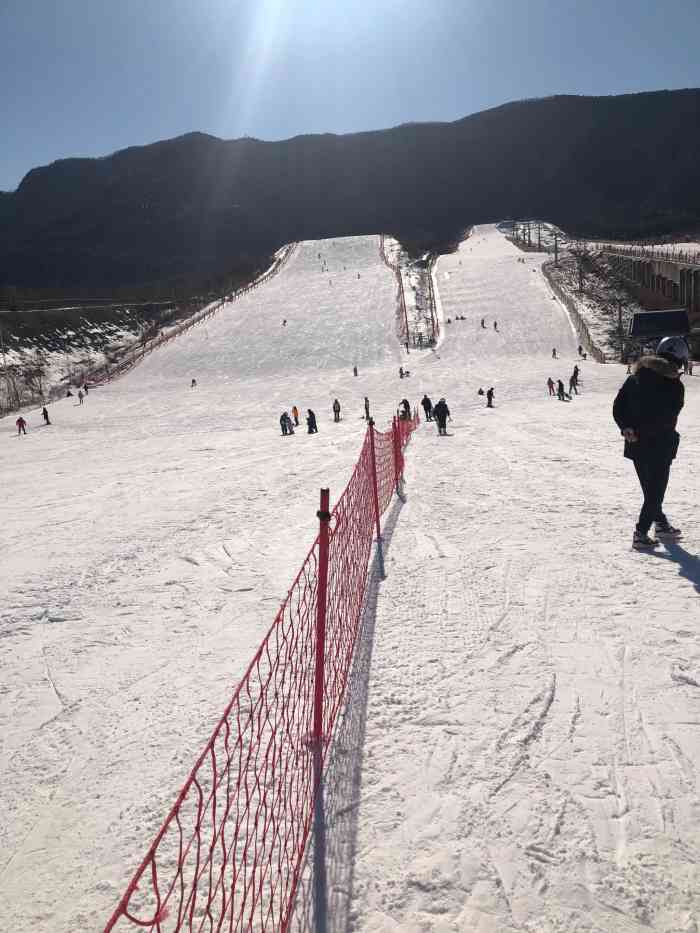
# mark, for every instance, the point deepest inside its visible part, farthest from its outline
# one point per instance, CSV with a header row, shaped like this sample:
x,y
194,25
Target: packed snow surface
x,y
532,742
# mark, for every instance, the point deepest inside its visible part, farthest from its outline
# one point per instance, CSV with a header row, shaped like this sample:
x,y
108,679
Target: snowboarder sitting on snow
x,y
336,410
427,408
21,426
646,411
441,413
311,422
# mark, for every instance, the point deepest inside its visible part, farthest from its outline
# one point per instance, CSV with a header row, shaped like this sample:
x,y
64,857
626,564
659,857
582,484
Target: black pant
x,y
442,426
336,416
653,478
428,414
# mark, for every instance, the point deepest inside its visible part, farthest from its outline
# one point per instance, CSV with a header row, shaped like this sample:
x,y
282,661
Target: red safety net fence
x,y
133,356
229,855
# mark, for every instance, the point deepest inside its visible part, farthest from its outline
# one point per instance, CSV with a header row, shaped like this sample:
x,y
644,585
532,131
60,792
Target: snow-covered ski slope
x,y
149,536
532,743
533,738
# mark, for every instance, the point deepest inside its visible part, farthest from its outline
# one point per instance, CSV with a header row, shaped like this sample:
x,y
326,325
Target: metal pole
x,y
375,494
619,330
320,881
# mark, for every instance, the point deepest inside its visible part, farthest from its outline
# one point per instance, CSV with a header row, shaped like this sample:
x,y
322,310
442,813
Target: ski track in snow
x,y
532,749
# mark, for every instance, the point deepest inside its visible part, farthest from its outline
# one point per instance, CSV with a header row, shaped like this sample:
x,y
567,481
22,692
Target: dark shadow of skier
x,y
688,564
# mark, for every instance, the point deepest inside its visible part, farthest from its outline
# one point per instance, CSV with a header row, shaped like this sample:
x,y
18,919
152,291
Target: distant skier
x,y
400,372
427,408
284,322
483,323
580,350
311,422
295,415
336,410
575,373
554,353
550,386
441,413
193,384
286,424
80,396
489,398
366,408
495,325
85,388
354,370
561,392
45,415
573,390
646,411
21,426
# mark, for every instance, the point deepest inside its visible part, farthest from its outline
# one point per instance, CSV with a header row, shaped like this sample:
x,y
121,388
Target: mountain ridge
x,y
196,206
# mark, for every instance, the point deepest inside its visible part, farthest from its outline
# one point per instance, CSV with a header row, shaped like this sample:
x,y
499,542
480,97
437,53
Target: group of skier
x,y
288,425
560,391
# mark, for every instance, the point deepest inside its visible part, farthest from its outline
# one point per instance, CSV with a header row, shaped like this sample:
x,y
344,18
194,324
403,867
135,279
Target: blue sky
x,y
87,77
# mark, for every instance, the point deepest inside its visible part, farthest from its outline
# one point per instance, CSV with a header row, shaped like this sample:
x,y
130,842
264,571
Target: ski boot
x,y
642,542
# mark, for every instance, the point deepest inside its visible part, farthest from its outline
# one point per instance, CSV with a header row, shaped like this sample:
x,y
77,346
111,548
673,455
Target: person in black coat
x,y
441,413
646,411
427,408
311,422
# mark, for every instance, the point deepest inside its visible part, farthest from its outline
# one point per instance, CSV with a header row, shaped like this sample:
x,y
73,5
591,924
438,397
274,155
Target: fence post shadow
x,y
343,773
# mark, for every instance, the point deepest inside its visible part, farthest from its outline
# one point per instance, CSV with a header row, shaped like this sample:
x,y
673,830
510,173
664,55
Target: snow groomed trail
x,y
150,536
533,735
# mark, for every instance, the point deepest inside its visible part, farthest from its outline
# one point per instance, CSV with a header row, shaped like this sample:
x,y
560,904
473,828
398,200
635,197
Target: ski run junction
x,y
510,730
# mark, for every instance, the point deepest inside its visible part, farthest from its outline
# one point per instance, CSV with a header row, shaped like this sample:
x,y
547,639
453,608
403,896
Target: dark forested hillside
x,y
198,207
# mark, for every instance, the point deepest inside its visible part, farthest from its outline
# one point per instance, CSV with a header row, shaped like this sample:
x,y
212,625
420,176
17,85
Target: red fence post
x,y
320,881
397,453
375,495
324,517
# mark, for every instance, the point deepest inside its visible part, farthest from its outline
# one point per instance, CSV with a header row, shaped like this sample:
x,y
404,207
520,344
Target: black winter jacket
x,y
441,411
650,401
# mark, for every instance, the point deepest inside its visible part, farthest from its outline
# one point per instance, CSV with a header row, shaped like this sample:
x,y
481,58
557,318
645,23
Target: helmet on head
x,y
673,348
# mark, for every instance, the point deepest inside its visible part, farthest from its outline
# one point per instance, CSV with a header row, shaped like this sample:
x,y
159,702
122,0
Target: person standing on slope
x,y
489,397
441,413
646,411
561,391
21,426
427,408
80,396
311,422
554,353
284,420
550,386
336,410
295,415
573,385
45,415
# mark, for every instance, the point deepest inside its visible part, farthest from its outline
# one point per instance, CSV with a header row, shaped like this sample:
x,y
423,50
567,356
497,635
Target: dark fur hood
x,y
659,365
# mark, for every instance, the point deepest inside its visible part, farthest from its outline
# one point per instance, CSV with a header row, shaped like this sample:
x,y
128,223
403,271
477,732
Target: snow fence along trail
x,y
149,538
533,734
